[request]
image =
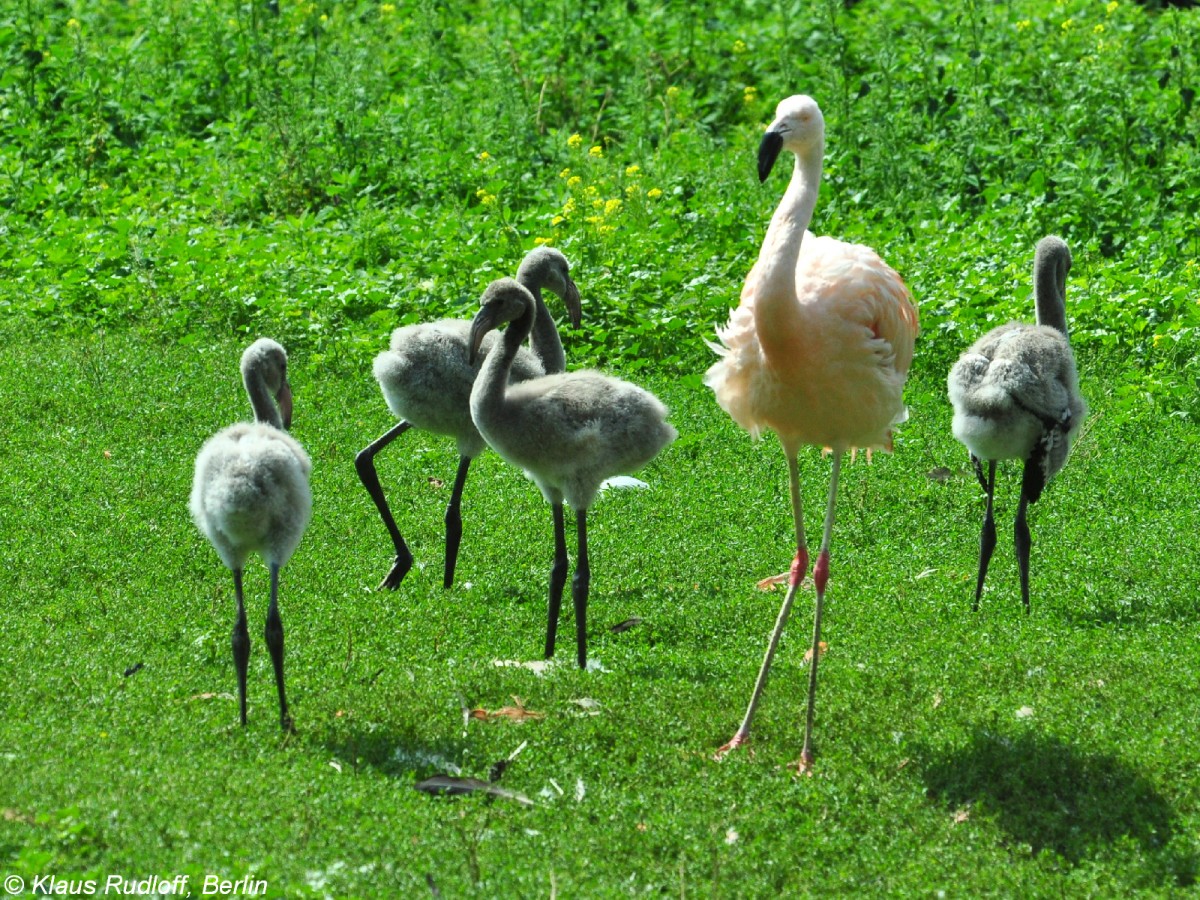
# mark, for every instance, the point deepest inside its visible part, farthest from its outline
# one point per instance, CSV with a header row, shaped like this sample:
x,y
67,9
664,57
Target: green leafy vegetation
x,y
179,178
322,170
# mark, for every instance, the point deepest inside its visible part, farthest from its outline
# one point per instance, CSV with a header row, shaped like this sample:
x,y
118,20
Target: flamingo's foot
x,y
742,737
783,579
804,765
403,563
774,581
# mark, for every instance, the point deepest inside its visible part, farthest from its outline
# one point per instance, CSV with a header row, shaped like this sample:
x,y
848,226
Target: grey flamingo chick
x,y
250,495
1015,393
568,432
426,381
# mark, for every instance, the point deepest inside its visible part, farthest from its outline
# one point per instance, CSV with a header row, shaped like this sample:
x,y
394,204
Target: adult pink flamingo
x,y
817,351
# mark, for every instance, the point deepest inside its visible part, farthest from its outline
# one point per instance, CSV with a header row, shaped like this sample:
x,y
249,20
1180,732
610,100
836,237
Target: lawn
x,y
168,195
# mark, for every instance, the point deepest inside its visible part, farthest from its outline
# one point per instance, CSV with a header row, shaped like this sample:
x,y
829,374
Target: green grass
x,y
178,178
918,723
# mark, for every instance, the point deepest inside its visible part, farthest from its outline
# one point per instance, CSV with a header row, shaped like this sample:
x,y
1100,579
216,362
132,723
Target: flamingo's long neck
x,y
1049,292
261,401
776,267
546,344
487,395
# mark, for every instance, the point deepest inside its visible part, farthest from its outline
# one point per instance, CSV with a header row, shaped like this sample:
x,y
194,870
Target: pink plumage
x,y
817,351
830,371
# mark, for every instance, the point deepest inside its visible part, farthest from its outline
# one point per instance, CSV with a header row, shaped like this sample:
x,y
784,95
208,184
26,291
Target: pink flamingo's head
x,y
798,126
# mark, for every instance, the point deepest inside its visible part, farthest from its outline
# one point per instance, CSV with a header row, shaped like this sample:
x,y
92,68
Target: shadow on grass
x,y
1131,611
395,754
1055,797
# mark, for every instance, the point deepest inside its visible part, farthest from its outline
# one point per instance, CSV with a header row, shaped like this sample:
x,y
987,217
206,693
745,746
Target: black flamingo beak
x,y
571,300
284,399
485,320
768,152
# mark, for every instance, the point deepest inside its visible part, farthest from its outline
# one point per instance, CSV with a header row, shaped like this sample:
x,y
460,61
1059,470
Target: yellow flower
x,y
1158,339
607,229
672,92
1112,7
324,18
557,220
654,193
749,93
632,190
541,241
632,170
569,206
1024,24
573,181
575,142
590,191
597,203
1098,28
387,8
484,156
611,206
593,220
564,173
72,23
596,151
487,199
1067,24
739,46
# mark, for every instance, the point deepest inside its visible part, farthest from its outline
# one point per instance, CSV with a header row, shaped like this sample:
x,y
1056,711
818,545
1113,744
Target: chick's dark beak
x,y
571,301
284,399
768,152
484,321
